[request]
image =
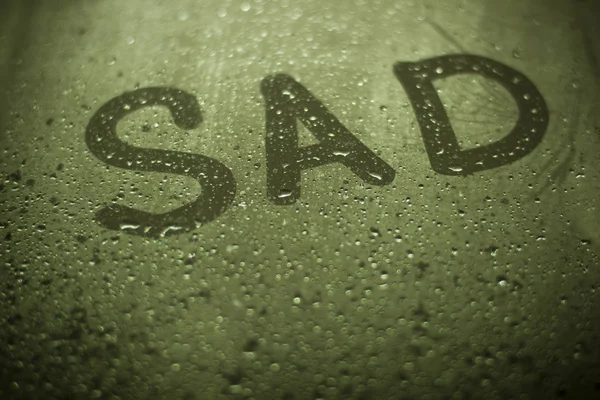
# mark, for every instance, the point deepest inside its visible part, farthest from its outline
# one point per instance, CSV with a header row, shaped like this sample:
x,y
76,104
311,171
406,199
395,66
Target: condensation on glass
x,y
299,200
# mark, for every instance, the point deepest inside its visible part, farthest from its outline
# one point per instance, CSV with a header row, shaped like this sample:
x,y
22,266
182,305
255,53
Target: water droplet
x,y
235,389
283,193
341,153
128,226
183,16
275,367
376,176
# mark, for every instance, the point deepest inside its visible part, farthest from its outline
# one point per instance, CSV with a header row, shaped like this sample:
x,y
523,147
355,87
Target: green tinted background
x,y
434,286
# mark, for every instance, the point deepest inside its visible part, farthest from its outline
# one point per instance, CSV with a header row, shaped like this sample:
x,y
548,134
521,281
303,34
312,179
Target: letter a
x,y
286,101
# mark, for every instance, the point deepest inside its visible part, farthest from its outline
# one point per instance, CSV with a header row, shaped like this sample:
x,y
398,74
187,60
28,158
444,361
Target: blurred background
x,y
432,287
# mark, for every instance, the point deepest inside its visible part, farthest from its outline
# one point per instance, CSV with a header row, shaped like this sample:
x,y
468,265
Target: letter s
x,y
217,181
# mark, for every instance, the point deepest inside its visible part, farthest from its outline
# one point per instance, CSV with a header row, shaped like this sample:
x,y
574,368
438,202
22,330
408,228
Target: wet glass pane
x,y
299,200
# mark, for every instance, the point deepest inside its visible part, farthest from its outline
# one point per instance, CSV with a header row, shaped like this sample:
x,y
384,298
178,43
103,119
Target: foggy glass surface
x,y
299,200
